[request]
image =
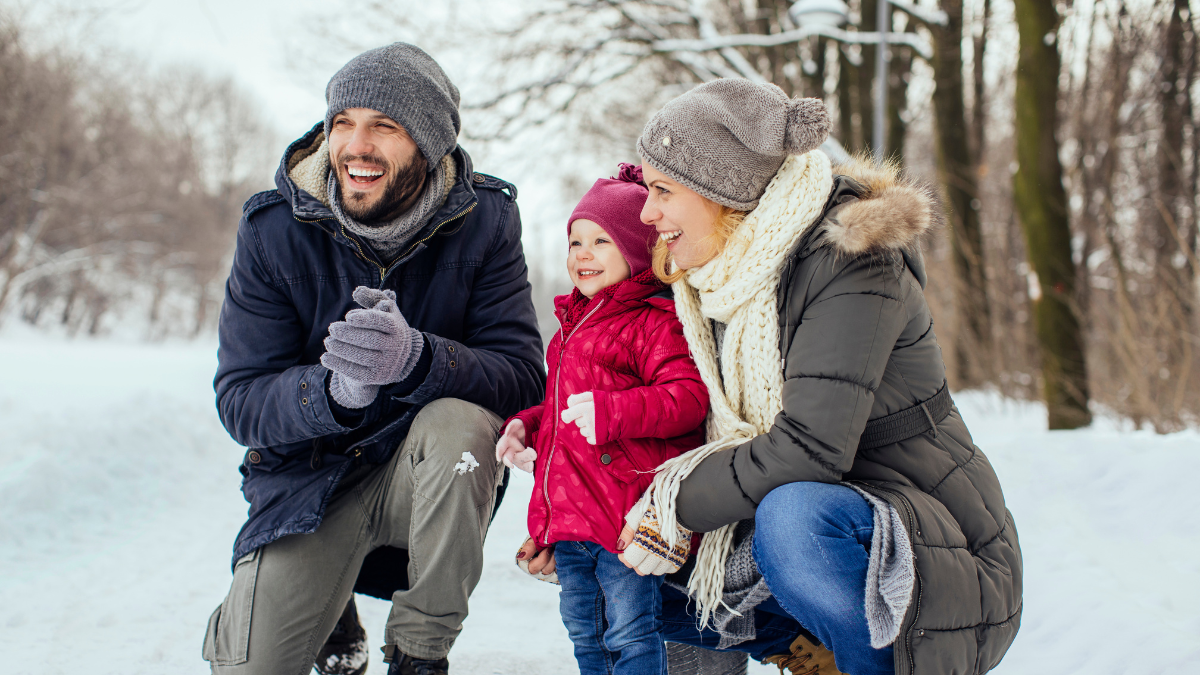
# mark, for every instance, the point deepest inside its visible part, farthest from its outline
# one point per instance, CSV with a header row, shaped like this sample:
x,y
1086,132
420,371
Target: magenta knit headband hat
x,y
615,204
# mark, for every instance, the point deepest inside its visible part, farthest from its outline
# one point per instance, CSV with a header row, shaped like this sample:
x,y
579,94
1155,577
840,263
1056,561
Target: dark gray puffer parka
x,y
859,345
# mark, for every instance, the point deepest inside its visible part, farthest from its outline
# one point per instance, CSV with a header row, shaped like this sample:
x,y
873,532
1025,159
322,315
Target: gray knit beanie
x,y
404,83
726,139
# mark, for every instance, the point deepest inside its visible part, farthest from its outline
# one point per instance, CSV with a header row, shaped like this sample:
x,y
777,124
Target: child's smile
x,y
593,259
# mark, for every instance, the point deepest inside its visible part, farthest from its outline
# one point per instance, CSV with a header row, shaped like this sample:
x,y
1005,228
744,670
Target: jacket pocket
x,y
227,641
616,460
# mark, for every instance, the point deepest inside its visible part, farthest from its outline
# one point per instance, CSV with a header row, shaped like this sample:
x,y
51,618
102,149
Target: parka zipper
x,y
554,438
911,521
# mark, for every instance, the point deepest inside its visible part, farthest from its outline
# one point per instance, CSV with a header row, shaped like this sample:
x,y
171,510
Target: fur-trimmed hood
x,y
857,345
875,208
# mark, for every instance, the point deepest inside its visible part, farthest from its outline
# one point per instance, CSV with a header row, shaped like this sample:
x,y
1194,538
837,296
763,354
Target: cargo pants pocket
x,y
227,641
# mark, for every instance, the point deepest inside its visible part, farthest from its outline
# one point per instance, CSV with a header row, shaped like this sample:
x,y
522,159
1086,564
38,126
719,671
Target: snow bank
x,y
119,502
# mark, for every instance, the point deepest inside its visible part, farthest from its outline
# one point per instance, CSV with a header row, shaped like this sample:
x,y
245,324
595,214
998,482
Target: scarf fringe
x,y
706,581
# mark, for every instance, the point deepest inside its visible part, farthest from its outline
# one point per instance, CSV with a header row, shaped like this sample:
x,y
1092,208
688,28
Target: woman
x,y
840,487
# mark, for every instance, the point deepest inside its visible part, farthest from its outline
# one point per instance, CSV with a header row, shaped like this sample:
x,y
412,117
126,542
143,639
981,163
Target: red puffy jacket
x,y
626,346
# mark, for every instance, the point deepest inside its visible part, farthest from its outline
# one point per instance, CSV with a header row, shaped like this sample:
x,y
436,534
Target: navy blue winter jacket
x,y
463,284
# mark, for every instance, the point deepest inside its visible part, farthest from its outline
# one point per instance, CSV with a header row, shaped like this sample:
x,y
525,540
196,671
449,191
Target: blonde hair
x,y
725,224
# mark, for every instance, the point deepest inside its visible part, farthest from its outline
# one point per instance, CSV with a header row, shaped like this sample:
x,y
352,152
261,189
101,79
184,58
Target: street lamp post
x,y
834,13
824,18
883,17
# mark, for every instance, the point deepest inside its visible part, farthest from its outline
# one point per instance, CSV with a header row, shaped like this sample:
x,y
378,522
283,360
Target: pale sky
x,y
269,47
247,39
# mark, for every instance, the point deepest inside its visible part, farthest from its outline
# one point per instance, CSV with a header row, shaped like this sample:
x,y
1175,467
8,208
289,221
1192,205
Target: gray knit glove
x,y
372,347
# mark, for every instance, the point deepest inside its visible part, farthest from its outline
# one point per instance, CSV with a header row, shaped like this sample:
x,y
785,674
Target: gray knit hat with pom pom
x,y
406,84
726,139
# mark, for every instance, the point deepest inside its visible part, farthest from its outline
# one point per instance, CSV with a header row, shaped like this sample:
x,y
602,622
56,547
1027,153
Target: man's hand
x,y
581,409
511,449
372,347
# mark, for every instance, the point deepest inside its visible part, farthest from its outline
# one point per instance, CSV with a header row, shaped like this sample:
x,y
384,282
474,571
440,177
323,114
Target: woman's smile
x,y
670,236
683,219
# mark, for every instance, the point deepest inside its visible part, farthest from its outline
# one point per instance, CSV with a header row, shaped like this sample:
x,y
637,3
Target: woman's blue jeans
x,y
614,616
810,542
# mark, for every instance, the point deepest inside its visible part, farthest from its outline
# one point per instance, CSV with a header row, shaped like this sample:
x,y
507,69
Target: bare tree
x,y
959,142
118,188
1042,204
1067,283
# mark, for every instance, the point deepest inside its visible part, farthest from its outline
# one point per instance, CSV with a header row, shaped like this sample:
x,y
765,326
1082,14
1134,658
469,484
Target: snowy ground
x,y
119,502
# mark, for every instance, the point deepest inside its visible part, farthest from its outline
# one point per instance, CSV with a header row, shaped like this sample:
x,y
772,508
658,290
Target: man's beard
x,y
401,192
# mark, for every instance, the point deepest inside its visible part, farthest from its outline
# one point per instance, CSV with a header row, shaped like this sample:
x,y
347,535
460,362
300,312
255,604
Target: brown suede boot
x,y
806,658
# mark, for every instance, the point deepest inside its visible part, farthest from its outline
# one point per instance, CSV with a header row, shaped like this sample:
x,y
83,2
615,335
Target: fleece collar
x,y
309,208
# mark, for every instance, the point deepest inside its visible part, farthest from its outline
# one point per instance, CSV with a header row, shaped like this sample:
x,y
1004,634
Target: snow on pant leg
x,y
633,607
811,542
438,506
287,596
581,605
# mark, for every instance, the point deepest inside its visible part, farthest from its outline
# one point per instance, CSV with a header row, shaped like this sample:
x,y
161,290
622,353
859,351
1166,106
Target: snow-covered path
x,y
119,501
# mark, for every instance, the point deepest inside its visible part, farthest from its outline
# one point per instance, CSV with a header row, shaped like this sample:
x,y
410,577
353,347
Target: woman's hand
x,y
511,449
541,560
581,409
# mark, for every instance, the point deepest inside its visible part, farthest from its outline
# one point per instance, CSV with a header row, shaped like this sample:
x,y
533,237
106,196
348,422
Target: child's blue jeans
x,y
614,616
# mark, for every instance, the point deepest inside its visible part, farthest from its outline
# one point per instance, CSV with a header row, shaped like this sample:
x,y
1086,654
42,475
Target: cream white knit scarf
x,y
738,288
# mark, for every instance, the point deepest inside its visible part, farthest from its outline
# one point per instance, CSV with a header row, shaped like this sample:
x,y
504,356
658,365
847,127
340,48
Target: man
x,y
377,327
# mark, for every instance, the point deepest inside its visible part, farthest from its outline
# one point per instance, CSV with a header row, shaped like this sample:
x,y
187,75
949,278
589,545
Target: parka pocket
x,y
227,641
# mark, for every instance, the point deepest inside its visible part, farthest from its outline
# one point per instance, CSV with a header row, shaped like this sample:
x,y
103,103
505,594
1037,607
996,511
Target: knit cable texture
x,y
737,288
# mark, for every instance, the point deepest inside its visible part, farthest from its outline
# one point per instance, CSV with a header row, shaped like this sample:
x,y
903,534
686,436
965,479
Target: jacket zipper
x,y
554,439
383,271
912,528
357,249
357,447
439,226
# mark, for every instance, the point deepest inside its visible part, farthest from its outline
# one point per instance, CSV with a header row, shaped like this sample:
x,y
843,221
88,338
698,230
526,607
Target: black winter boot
x,y
403,664
345,652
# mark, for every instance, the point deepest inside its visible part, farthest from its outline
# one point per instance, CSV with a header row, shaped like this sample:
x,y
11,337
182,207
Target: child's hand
x,y
582,411
643,547
511,449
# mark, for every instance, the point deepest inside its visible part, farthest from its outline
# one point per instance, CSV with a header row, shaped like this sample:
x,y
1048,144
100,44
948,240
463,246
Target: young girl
x,y
622,396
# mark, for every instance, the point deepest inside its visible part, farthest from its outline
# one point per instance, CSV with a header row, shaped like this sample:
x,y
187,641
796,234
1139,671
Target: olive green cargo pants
x,y
287,596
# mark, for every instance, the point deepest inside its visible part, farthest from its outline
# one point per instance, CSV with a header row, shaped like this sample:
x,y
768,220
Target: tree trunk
x,y
864,83
845,90
1042,205
816,81
898,70
1174,279
957,166
1169,237
978,116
